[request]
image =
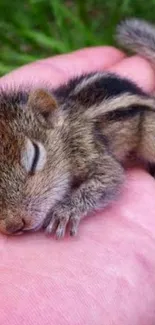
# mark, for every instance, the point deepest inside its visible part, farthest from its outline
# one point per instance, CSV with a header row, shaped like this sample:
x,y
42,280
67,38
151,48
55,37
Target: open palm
x,y
107,274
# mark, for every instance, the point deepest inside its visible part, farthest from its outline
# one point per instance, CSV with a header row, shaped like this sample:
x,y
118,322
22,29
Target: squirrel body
x,y
63,150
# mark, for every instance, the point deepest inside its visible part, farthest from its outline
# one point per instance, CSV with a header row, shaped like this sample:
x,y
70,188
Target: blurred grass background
x,y
35,29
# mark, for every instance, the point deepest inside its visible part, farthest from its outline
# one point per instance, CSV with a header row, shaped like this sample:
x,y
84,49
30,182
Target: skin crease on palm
x,y
106,275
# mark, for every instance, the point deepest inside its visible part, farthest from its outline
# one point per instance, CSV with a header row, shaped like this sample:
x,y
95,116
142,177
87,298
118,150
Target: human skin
x,y
106,275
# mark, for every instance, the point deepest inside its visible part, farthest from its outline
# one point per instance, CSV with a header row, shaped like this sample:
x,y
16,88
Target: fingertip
x,y
98,58
138,70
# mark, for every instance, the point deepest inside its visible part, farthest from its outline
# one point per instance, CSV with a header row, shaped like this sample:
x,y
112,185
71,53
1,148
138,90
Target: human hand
x,y
107,274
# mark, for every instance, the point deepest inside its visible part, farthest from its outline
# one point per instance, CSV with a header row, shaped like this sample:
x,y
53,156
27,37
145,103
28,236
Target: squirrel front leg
x,y
97,191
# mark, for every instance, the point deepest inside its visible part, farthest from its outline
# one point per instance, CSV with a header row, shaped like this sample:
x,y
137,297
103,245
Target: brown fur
x,y
88,128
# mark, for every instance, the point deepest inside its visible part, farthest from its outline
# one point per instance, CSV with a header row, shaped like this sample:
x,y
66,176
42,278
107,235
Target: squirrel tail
x,y
137,36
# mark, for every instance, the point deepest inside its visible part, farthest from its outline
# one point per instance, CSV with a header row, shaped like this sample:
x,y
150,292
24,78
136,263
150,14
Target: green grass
x,y
35,29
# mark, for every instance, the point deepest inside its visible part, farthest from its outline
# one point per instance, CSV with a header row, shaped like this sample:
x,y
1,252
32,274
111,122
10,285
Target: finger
x,y
58,69
138,70
85,60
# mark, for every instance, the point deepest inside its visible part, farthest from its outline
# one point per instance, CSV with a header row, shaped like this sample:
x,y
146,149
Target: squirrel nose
x,y
13,227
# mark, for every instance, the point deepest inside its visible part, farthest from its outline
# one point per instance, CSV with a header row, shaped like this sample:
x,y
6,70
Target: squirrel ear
x,y
45,107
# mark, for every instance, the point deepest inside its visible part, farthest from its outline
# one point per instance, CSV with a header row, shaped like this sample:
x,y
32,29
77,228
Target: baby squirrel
x,y
63,150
